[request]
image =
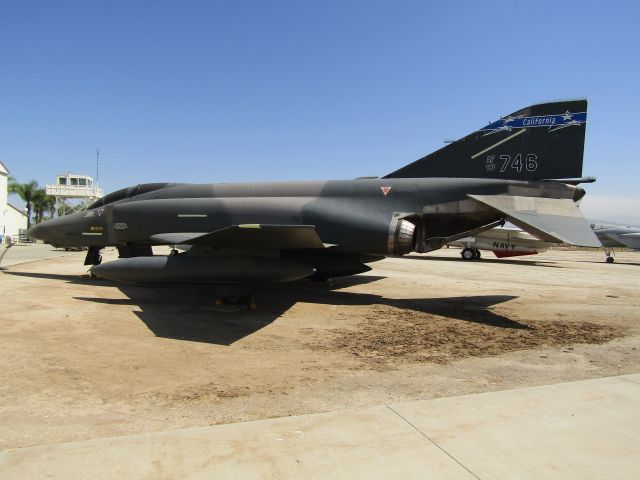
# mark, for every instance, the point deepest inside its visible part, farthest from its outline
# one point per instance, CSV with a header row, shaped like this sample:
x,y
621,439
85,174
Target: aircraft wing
x,y
630,240
506,233
249,236
550,219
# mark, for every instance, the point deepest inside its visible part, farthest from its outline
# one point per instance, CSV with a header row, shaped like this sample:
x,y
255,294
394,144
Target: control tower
x,y
70,186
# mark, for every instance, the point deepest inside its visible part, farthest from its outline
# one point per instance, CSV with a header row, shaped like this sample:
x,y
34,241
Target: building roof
x,y
69,174
17,209
3,169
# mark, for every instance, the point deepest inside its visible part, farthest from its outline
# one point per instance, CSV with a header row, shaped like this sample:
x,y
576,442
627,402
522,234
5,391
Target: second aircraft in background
x,y
503,242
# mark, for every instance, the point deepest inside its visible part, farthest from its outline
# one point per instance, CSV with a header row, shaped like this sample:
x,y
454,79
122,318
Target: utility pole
x,y
95,184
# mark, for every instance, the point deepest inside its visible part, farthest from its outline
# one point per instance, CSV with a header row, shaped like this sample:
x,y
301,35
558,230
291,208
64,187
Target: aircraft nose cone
x,y
37,231
67,231
44,231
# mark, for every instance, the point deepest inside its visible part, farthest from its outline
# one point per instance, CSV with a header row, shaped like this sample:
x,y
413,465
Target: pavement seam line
x,y
40,259
627,380
433,442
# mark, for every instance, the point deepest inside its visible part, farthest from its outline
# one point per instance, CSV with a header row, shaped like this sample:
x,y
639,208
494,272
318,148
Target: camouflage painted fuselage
x,y
353,216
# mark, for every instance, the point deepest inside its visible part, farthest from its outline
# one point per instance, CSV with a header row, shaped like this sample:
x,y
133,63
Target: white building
x,y
12,219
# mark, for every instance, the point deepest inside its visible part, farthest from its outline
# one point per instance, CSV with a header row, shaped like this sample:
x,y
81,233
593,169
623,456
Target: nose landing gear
x,y
93,256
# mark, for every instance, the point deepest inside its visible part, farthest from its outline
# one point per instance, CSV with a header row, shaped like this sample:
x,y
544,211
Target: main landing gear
x,y
609,258
470,254
234,295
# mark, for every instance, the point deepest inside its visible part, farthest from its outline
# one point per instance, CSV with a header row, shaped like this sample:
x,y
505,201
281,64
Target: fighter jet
x,y
524,168
503,242
616,236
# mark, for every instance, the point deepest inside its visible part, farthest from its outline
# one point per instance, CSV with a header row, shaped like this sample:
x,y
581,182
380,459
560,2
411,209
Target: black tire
x,y
236,300
467,254
476,254
610,260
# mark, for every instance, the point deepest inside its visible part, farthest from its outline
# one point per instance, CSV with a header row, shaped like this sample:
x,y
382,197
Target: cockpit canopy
x,y
127,193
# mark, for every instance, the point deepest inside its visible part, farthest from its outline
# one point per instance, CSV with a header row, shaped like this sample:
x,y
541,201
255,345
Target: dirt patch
x,y
209,392
392,335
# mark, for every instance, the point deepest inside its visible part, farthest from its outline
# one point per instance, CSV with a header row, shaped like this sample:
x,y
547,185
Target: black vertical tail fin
x,y
544,141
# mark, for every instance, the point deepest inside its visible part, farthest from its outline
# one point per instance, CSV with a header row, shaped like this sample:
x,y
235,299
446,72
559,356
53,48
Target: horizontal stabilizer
x,y
249,236
556,220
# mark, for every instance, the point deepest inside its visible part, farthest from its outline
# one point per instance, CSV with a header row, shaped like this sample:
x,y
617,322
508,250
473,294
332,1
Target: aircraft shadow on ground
x,y
617,262
187,312
509,261
622,262
75,279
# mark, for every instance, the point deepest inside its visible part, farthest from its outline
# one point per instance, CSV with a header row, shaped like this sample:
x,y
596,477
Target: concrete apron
x,y
586,429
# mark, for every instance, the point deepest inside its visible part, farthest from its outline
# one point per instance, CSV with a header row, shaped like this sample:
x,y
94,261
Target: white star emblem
x,y
567,116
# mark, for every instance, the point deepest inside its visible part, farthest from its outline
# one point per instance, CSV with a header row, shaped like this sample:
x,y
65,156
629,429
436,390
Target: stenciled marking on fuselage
x,y
553,122
192,215
504,245
520,161
91,233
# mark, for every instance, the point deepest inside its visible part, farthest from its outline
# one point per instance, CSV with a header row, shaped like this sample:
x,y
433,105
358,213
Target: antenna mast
x,y
97,168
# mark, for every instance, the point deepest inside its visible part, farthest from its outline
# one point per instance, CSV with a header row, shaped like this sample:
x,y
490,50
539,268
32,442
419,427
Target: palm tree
x,y
26,191
43,204
51,205
40,205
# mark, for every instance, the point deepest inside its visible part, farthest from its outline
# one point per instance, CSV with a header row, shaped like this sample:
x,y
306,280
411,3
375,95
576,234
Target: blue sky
x,y
221,91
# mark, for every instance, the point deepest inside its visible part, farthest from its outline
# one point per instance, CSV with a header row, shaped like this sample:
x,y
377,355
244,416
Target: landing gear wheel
x,y
610,260
237,300
467,254
476,254
234,300
174,252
